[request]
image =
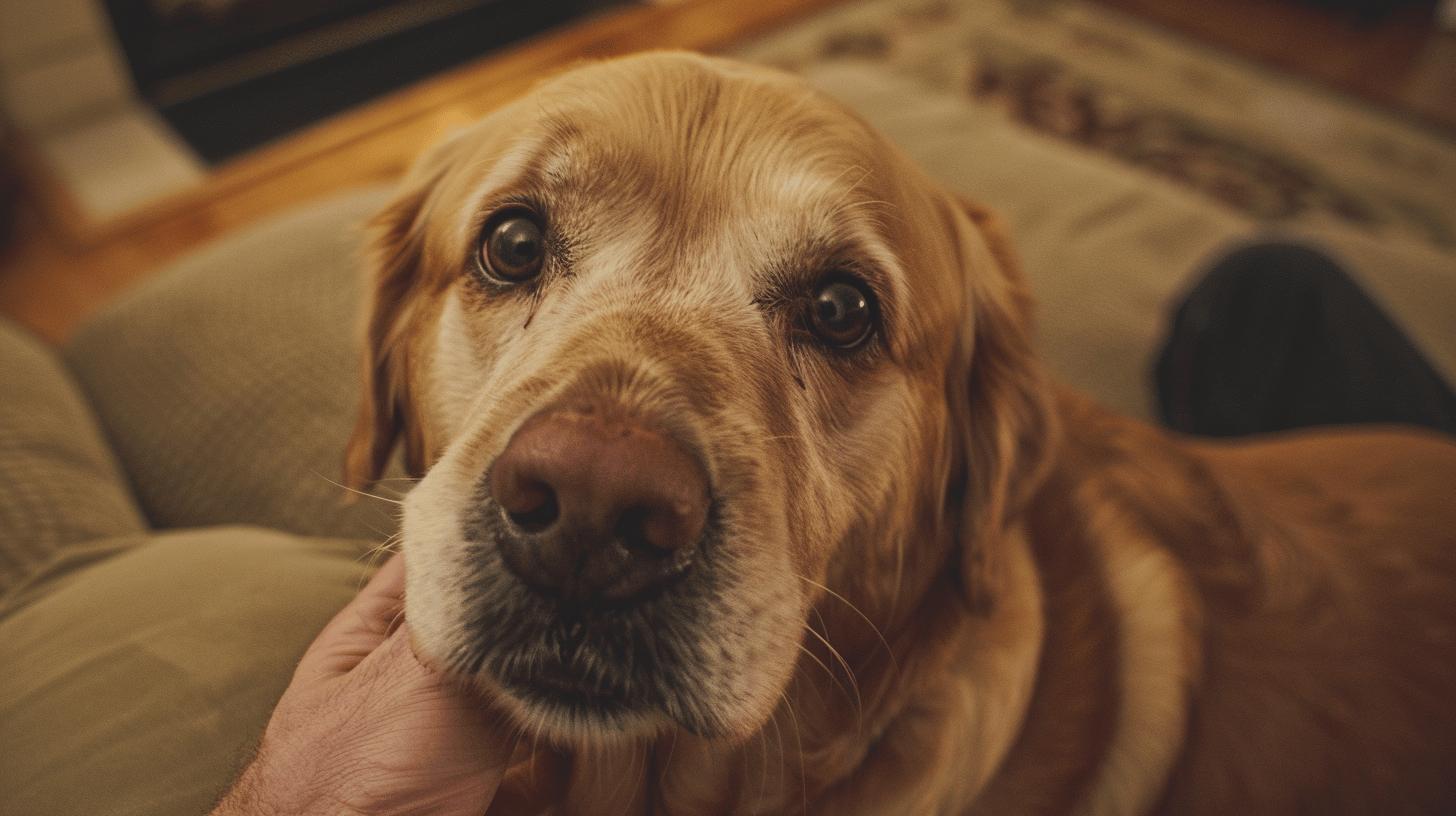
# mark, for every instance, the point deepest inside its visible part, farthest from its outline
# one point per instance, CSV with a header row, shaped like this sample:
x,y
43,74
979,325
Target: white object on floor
x,y
65,85
113,164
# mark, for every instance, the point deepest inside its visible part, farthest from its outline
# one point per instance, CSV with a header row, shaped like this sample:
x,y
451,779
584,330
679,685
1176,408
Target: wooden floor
x,y
49,282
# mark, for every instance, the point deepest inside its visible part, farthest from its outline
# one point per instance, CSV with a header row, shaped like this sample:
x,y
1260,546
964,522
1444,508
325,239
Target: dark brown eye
x,y
842,314
513,247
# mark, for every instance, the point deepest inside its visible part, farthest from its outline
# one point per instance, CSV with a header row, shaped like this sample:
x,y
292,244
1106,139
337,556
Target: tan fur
x,y
955,588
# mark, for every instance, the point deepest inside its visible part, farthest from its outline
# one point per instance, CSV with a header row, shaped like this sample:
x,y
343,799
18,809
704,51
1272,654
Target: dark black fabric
x,y
232,120
1276,336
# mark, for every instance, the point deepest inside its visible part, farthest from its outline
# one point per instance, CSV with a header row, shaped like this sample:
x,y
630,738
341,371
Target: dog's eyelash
x,y
489,207
795,367
535,303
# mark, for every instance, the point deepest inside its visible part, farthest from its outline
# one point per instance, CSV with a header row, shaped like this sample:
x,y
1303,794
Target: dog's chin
x,y
570,712
570,709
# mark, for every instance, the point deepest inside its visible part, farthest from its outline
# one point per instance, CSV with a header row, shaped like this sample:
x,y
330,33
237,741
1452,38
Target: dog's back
x,y
1327,678
1320,570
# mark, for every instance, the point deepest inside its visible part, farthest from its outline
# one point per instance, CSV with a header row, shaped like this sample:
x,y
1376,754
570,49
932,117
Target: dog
x,y
745,491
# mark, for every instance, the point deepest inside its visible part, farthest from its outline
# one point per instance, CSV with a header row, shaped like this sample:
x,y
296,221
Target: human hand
x,y
365,728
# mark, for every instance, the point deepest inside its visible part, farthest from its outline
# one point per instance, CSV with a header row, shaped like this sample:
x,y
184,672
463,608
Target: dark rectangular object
x,y
236,80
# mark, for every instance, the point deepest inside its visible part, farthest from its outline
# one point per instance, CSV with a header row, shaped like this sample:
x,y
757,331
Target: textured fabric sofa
x,y
171,537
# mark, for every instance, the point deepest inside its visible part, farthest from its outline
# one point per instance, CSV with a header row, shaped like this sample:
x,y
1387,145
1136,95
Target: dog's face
x,y
683,350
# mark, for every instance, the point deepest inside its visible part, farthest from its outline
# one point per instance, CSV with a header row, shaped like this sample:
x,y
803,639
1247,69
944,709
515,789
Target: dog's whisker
x,y
386,547
825,666
622,777
394,622
671,749
891,652
536,724
355,491
799,740
762,735
853,681
779,740
899,576
374,557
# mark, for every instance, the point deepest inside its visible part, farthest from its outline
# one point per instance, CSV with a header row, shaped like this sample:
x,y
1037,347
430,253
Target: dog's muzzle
x,y
596,573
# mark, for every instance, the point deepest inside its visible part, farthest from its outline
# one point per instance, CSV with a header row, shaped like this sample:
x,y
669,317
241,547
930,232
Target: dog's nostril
x,y
640,529
656,531
535,508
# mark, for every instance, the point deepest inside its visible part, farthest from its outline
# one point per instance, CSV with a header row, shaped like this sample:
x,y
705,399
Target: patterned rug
x,y
1260,142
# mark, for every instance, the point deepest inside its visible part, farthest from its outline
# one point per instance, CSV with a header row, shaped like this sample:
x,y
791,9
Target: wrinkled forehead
x,y
733,146
679,146
694,161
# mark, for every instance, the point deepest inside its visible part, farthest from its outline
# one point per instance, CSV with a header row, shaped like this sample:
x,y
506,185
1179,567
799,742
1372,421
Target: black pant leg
x,y
1276,336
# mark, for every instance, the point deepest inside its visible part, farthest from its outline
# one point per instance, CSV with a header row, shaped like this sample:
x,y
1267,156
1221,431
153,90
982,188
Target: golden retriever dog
x,y
744,491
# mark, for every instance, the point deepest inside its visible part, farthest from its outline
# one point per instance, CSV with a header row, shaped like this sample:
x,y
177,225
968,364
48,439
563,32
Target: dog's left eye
x,y
513,247
842,313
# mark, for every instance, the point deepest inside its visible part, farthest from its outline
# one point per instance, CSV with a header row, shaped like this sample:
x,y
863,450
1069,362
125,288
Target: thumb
x,y
454,735
359,628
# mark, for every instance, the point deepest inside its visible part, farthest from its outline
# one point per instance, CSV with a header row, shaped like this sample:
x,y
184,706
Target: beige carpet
x,y
1125,157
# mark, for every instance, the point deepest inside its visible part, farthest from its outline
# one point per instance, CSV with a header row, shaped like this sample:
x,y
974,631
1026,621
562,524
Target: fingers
x,y
429,744
388,581
461,718
388,736
359,628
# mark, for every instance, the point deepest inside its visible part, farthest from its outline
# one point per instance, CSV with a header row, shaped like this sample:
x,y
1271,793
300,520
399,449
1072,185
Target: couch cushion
x,y
60,481
148,677
227,384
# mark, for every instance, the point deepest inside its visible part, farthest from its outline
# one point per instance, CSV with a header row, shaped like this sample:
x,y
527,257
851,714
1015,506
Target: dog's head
x,y
684,350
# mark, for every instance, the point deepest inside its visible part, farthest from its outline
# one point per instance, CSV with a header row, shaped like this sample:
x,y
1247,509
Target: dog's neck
x,y
931,712
1109,718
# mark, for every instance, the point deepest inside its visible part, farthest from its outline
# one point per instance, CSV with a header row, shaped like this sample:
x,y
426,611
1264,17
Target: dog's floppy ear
x,y
385,410
1003,425
395,309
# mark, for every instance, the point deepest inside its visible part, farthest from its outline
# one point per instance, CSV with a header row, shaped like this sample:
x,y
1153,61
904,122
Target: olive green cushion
x,y
138,685
228,383
59,482
136,667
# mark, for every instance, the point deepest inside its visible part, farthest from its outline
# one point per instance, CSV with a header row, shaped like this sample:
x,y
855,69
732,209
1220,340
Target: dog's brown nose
x,y
598,507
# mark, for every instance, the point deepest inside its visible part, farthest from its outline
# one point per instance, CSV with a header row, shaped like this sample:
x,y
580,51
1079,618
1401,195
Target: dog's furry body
x,y
1008,601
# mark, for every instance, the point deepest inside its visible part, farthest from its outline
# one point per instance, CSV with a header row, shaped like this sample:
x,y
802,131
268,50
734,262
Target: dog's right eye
x,y
513,247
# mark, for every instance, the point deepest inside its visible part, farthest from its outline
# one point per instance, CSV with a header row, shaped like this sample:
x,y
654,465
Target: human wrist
x,y
264,788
